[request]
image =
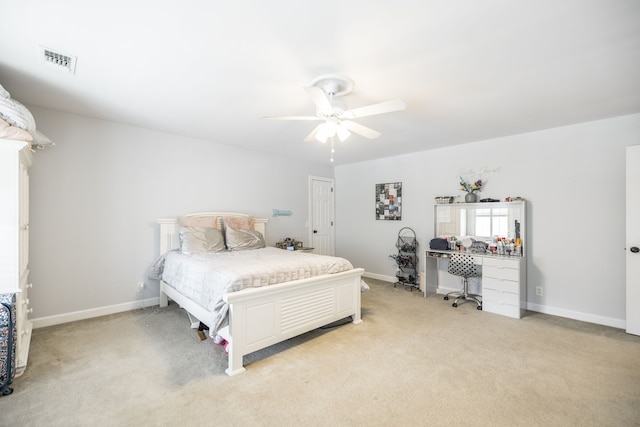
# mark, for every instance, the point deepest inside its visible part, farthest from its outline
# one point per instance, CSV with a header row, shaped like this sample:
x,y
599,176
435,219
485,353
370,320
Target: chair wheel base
x,y
446,298
479,307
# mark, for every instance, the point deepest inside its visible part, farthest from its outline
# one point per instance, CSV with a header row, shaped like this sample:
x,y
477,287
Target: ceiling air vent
x,y
58,60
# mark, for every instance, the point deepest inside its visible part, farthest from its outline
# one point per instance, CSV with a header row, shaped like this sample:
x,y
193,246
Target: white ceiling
x,y
468,70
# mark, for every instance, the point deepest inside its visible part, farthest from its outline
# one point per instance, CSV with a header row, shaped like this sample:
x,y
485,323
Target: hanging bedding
x,y
17,122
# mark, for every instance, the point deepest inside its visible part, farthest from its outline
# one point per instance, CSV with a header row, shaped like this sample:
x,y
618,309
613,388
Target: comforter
x,y
205,278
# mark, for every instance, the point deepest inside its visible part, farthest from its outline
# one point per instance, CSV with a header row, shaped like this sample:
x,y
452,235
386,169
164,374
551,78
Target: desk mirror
x,y
481,221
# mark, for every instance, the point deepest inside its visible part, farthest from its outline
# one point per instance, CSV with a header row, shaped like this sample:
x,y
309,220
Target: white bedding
x,y
205,278
17,122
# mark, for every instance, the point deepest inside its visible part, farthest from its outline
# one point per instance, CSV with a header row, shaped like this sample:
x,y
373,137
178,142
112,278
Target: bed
x,y
272,311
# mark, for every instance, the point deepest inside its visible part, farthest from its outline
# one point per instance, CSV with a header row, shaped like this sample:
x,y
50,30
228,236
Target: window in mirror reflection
x,y
482,222
491,222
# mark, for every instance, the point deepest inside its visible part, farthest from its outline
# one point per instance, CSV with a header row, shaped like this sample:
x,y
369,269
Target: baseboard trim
x,y
42,322
133,305
576,315
545,309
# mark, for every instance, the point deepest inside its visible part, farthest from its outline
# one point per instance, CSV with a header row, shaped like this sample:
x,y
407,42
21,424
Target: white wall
x,y
574,180
95,197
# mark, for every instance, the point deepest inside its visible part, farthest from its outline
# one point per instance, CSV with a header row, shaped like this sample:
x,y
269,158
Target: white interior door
x,y
633,239
322,235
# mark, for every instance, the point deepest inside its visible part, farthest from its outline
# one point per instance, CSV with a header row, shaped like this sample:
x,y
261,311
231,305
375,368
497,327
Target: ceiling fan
x,y
336,118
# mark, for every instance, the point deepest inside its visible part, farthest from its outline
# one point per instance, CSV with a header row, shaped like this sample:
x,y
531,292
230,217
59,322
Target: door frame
x,y
632,238
310,209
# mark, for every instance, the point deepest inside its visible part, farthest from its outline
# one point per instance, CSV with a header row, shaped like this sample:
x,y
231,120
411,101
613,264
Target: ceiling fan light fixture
x,y
324,133
336,119
343,133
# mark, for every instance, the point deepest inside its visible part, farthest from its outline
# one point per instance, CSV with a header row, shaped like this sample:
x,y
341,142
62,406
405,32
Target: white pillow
x,y
240,240
197,240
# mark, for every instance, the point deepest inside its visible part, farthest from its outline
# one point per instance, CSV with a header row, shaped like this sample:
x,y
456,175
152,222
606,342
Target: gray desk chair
x,y
463,265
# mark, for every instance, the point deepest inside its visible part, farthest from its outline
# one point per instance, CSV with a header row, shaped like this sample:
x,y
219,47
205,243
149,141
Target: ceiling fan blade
x,y
319,98
360,130
312,136
291,118
380,108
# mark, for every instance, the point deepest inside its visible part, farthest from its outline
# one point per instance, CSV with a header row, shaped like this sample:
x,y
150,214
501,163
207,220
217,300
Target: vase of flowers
x,y
471,196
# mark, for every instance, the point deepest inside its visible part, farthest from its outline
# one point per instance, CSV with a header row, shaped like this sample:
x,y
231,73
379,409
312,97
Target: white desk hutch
x,y
503,284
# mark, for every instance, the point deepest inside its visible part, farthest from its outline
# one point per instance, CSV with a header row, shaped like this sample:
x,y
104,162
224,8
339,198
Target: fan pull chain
x,y
333,150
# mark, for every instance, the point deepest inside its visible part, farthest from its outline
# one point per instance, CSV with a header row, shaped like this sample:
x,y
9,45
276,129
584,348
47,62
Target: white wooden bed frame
x,y
260,317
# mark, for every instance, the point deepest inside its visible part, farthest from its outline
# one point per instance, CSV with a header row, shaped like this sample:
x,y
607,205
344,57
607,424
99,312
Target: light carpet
x,y
414,361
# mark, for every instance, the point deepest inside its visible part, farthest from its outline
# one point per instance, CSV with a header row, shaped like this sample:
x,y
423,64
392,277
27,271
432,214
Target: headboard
x,y
170,237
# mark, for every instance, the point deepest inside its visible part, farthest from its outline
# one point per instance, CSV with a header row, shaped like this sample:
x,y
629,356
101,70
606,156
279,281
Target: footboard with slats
x,y
260,317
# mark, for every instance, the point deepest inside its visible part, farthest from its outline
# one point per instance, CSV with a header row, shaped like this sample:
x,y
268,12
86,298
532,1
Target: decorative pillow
x,y
195,221
240,222
240,240
197,240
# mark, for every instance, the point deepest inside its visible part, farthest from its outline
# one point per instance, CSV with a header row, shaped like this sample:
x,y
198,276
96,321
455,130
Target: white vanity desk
x,y
503,284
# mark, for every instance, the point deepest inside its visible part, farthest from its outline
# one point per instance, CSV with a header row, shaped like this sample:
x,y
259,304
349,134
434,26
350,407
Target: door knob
x,y
635,249
316,231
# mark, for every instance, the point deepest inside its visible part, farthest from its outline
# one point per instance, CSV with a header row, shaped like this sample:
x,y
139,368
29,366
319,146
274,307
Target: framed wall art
x,y
389,201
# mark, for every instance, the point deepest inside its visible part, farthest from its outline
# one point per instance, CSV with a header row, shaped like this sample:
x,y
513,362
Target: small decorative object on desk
x,y
444,200
471,196
289,244
478,247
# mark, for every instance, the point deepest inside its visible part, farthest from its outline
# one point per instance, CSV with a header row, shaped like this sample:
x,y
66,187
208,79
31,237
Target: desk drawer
x,y
500,285
501,262
501,297
502,309
500,273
